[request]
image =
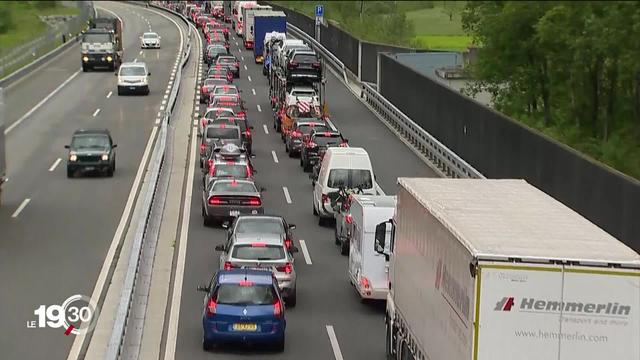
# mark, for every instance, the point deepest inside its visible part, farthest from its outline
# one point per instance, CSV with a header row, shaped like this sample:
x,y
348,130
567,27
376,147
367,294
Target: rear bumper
x,y
248,44
225,211
268,332
372,293
140,89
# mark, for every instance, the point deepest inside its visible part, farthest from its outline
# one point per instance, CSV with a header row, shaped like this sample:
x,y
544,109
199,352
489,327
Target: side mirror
x,y
115,74
219,247
225,225
149,74
114,146
251,127
67,146
292,226
262,188
294,249
203,288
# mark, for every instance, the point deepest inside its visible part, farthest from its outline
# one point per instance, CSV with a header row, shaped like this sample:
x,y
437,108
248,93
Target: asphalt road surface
x,y
327,302
54,231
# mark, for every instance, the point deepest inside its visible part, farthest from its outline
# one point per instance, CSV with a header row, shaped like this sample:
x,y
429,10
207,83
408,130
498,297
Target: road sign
x,y
319,11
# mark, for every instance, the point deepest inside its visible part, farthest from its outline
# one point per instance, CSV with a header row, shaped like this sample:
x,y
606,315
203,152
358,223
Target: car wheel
x,y
207,345
280,344
69,173
85,68
291,300
119,91
301,160
335,235
286,148
315,212
264,71
206,221
110,172
322,221
291,153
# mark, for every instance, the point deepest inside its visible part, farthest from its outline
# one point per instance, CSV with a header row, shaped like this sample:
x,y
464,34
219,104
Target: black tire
x,y
85,68
335,236
264,71
286,148
291,154
322,221
344,247
388,344
291,300
207,345
119,91
69,173
110,171
315,212
280,345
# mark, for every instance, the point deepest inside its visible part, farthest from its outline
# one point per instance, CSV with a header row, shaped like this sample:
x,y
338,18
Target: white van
x,y
367,268
341,166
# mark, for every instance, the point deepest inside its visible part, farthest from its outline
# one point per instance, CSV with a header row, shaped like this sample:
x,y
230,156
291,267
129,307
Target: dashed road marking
x,y
20,208
95,113
55,164
253,91
249,77
334,343
275,157
109,94
259,108
245,67
305,252
266,131
286,194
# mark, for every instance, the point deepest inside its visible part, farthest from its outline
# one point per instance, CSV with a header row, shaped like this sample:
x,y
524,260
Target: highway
x,y
329,320
55,232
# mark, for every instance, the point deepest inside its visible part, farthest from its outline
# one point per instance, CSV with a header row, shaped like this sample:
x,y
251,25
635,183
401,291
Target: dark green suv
x,y
91,150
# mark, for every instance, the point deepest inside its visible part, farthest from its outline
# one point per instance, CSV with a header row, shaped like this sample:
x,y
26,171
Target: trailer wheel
x,y
389,341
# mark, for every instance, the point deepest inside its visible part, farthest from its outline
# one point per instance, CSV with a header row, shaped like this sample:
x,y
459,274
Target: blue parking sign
x,y
319,10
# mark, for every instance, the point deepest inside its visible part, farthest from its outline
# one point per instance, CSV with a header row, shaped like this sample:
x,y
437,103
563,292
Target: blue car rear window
x,y
235,294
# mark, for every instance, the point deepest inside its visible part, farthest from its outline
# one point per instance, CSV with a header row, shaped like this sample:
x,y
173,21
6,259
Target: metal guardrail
x,y
118,333
437,153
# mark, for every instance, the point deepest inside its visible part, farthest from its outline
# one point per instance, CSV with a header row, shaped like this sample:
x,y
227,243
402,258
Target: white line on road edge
x,y
109,94
237,44
305,252
333,127
253,91
266,131
95,113
166,96
273,153
135,60
174,314
158,53
286,194
140,52
20,208
55,164
242,57
259,108
334,343
245,67
38,105
249,77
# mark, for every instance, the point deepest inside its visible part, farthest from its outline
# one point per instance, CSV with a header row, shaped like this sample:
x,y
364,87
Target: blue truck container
x,y
266,22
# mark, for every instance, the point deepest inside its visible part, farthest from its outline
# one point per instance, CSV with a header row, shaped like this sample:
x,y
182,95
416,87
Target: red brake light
x,y
211,307
211,166
277,309
215,200
205,89
288,243
227,265
311,144
344,144
241,114
203,147
249,172
296,134
365,282
247,132
258,245
246,283
327,134
325,198
349,219
316,65
254,201
287,268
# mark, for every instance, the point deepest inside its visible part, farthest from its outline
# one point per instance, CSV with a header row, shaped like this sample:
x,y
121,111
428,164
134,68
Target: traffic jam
x,y
246,300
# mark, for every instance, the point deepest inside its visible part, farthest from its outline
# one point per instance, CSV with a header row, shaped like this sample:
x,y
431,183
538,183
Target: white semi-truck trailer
x,y
498,270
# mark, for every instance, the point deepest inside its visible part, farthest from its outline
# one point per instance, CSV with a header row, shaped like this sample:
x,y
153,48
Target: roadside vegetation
x,y
20,23
432,25
570,70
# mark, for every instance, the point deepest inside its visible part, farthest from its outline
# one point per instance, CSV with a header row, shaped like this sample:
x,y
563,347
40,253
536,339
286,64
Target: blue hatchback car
x,y
243,305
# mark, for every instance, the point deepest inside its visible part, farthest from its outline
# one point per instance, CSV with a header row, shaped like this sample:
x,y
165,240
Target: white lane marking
x,y
55,164
135,60
38,105
331,124
253,91
95,113
174,311
109,94
144,55
168,91
266,131
157,121
195,122
161,107
242,57
245,67
164,102
259,108
275,157
166,96
159,113
305,252
237,44
157,54
140,52
249,77
334,343
20,208
286,194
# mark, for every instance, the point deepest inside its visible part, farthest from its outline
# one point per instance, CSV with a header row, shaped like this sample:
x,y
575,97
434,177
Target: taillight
x,y
277,309
288,243
311,144
212,168
203,147
287,268
247,133
316,65
238,63
211,307
296,134
365,282
241,114
205,89
215,200
255,201
249,171
349,219
227,265
204,122
325,198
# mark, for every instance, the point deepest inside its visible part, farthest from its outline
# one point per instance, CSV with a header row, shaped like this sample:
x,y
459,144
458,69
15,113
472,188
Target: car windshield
x,y
233,186
226,60
226,90
305,58
132,71
223,133
150,36
233,170
235,294
307,128
219,113
251,252
254,225
326,140
349,178
90,141
96,38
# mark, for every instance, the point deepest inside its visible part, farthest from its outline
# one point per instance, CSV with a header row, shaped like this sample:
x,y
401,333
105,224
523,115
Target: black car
x,y
91,150
231,62
245,128
216,136
220,72
304,64
311,145
302,127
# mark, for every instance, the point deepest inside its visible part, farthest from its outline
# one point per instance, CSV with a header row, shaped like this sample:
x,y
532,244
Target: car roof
x,y
92,132
133,64
234,276
150,33
259,216
303,52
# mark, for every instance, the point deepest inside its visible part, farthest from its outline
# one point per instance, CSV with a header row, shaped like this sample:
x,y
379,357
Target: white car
x,y
133,77
150,40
